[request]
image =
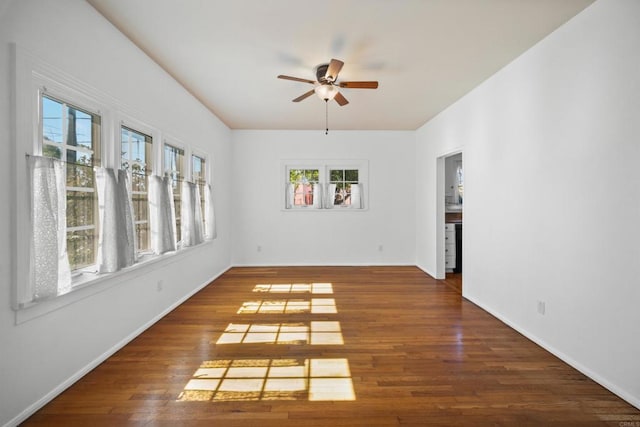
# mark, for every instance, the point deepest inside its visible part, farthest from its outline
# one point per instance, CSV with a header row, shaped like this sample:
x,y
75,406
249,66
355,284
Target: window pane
x,y
80,208
140,207
304,176
136,156
80,129
303,195
138,179
351,175
79,175
81,248
52,151
137,148
337,175
173,166
73,135
142,233
295,175
196,163
51,120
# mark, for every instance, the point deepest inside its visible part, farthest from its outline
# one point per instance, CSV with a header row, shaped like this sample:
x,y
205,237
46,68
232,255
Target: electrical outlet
x,y
541,307
160,285
259,248
380,248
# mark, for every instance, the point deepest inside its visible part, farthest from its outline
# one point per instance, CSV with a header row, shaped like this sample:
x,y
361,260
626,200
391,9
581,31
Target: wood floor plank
x,y
408,351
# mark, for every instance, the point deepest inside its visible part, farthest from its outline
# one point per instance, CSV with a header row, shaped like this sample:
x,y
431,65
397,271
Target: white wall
x,y
40,356
562,122
325,237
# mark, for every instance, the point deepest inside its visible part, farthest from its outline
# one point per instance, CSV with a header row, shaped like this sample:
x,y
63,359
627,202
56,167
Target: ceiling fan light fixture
x,y
326,92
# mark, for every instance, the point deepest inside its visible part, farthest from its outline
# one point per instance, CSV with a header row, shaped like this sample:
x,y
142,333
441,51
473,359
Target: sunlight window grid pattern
x,y
315,306
313,288
270,379
318,333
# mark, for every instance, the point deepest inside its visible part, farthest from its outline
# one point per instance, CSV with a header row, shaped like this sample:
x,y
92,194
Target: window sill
x,y
88,283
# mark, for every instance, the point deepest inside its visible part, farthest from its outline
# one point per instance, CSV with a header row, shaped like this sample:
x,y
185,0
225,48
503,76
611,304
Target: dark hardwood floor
x,y
389,346
454,281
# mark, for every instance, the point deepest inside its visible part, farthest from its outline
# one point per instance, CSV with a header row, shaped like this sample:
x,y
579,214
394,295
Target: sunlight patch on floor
x,y
270,379
316,333
285,288
316,305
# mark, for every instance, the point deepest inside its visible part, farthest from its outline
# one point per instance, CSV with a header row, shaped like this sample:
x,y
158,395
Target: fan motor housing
x,y
321,72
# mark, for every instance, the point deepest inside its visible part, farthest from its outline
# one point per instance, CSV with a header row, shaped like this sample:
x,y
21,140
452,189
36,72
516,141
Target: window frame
x,y
324,167
305,206
138,127
182,174
201,183
86,106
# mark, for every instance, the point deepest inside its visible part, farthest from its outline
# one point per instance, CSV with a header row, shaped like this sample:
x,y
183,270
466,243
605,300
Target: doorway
x,y
450,211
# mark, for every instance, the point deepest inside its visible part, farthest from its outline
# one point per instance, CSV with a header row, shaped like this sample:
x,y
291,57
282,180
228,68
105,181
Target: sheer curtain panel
x,y
209,214
192,229
50,273
317,196
116,243
288,203
162,218
356,196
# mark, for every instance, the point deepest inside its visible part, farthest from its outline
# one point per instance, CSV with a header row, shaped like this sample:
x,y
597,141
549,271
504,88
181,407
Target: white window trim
x,y
125,120
323,166
203,156
306,166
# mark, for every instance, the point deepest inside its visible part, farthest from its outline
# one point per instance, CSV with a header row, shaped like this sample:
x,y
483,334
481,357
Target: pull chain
x,y
326,104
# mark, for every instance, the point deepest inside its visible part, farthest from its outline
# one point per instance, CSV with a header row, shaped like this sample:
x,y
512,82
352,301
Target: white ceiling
x,y
426,54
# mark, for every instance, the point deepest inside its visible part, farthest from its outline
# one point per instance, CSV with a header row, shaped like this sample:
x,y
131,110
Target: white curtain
x,y
289,194
116,242
331,196
191,225
50,274
162,215
210,231
356,196
317,196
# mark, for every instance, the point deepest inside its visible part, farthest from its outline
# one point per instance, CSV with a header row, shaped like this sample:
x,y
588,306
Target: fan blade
x,y
334,68
340,99
359,85
295,79
304,96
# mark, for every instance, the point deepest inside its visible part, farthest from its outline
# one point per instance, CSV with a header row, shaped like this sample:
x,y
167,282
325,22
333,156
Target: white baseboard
x,y
332,264
31,409
632,400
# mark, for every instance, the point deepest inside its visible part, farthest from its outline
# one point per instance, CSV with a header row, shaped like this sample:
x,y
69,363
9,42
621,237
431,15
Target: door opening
x,y
452,191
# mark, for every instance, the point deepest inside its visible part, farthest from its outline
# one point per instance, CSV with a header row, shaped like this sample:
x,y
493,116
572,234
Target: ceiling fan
x,y
326,86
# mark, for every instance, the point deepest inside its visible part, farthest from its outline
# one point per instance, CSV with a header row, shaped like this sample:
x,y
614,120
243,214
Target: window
x,y
302,181
325,184
137,159
174,169
69,231
72,134
199,176
343,179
